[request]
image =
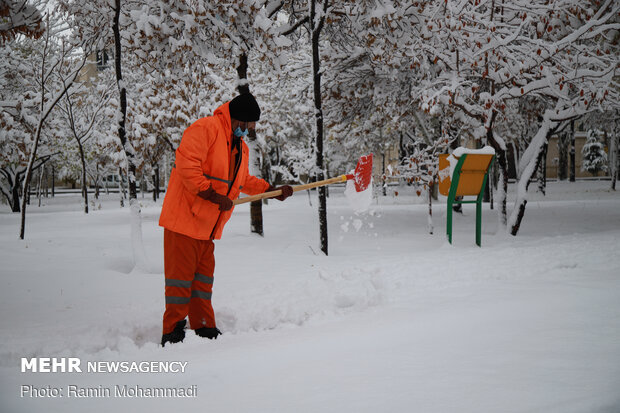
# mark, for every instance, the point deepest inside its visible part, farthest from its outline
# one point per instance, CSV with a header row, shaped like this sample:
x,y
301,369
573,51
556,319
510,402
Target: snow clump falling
x,y
359,201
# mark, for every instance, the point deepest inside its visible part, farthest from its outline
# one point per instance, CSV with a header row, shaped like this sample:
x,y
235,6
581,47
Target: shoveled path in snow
x,y
506,346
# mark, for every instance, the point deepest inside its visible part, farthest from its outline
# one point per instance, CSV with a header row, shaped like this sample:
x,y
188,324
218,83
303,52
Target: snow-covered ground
x,y
394,320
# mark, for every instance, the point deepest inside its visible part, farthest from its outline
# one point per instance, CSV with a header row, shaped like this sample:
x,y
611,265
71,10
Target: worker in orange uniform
x,y
210,170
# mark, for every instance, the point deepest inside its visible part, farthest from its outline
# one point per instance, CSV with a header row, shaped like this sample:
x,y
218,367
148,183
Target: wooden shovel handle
x,y
271,194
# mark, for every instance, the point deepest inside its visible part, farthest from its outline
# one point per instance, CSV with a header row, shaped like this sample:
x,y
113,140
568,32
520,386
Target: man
x,y
210,170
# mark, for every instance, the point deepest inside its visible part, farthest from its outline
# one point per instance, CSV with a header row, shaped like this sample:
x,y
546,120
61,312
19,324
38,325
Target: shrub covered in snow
x,y
594,155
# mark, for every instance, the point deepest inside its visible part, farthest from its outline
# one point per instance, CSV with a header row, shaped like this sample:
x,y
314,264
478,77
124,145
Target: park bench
x,y
468,178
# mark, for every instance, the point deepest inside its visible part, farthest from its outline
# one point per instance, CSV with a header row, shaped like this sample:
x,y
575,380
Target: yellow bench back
x,y
473,170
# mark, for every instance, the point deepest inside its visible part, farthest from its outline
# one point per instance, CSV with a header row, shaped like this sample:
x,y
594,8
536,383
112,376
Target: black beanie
x,y
244,108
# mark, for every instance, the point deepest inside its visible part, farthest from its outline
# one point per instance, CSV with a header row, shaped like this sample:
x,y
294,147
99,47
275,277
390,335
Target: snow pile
x,y
487,150
319,293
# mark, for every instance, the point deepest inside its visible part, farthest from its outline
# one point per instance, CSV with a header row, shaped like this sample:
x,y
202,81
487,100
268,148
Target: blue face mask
x,y
239,133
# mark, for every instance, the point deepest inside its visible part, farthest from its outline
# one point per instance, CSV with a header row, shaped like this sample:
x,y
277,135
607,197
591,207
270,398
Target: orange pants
x,y
188,264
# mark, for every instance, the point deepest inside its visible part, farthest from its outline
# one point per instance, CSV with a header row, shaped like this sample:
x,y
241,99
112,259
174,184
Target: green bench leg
x,y
478,223
452,196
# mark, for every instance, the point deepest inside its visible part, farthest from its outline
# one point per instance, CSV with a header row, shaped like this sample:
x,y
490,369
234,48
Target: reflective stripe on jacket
x,y
203,161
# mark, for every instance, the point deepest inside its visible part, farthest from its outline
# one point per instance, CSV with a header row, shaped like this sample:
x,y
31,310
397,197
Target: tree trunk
x,y
122,133
521,206
430,208
121,187
563,156
531,164
256,207
542,170
615,152
12,195
46,179
39,187
46,106
572,151
316,28
158,180
155,183
502,185
139,254
29,169
84,186
15,207
616,166
502,162
97,182
384,177
516,151
492,182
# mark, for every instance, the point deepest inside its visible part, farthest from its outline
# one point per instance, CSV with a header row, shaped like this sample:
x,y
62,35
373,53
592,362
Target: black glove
x,y
222,201
208,332
287,191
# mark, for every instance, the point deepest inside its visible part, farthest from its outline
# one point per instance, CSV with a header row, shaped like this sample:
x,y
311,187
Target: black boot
x,y
208,332
178,334
458,207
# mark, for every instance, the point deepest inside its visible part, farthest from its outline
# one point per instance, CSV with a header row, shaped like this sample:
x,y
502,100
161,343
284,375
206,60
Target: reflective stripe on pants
x,y
188,265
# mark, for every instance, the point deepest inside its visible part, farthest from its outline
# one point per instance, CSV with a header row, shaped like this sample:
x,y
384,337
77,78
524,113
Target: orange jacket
x,y
203,160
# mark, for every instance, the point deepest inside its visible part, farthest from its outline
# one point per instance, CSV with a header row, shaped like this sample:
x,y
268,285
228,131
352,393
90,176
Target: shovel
x,y
361,178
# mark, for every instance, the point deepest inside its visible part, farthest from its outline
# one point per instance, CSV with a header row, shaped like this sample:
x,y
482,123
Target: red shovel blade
x,y
362,174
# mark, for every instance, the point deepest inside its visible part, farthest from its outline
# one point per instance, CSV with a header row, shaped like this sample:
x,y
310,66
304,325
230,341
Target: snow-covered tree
x,y
326,23
615,149
594,157
20,17
607,125
17,94
83,109
42,71
286,135
110,23
421,169
479,55
15,118
311,15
